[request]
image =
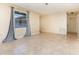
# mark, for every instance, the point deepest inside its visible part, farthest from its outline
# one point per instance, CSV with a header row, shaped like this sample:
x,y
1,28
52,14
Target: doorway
x,y
72,23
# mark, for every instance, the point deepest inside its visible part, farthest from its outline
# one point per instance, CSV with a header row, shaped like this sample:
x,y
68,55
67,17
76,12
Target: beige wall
x,y
34,23
55,23
4,20
5,13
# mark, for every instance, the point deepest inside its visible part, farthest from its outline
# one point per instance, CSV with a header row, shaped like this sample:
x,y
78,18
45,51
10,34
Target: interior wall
x,y
34,23
55,23
5,12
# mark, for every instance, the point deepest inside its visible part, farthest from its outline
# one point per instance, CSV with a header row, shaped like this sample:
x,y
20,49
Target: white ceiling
x,y
42,9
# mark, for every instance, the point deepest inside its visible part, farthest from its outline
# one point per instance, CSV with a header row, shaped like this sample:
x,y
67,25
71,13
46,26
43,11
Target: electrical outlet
x,y
62,30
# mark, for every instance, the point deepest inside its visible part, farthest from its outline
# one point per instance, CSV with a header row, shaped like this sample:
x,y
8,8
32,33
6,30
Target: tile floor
x,y
42,44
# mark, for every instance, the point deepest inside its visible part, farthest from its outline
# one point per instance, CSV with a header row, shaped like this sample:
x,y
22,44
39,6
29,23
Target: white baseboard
x,y
35,33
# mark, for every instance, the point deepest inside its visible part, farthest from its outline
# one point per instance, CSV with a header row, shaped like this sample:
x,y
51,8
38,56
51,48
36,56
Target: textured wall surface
x,y
55,23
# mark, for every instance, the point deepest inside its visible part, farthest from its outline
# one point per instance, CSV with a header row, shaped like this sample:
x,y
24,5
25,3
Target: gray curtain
x,y
11,34
28,30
